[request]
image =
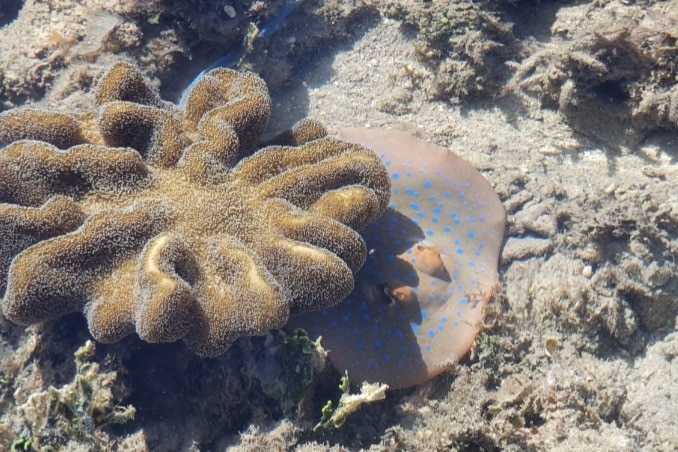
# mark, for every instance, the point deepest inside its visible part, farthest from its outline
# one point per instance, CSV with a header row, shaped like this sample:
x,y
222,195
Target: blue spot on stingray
x,y
462,195
430,232
482,218
443,319
447,229
459,314
377,344
460,250
428,184
367,317
438,211
391,258
424,315
361,346
471,235
412,192
454,184
460,287
427,348
421,214
472,263
415,328
431,333
441,327
399,335
395,176
453,214
388,163
414,206
463,301
478,253
470,220
455,323
372,363
432,198
435,220
448,194
481,245
457,241
457,222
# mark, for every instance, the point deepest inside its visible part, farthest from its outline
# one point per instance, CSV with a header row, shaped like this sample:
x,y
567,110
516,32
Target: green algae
x,y
73,413
297,355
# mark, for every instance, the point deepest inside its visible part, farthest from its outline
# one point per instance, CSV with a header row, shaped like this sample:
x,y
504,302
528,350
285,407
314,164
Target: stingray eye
x,y
430,262
426,252
399,293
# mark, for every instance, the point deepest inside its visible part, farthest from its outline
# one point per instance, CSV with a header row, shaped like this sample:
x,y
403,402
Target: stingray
x,y
420,298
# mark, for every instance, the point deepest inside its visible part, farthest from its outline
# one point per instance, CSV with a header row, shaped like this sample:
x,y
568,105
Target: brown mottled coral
x,y
151,221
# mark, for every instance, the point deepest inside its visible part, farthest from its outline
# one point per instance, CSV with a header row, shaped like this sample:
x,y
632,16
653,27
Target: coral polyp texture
x,y
156,220
420,299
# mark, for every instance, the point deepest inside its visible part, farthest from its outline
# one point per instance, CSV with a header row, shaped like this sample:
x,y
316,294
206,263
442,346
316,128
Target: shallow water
x,y
578,348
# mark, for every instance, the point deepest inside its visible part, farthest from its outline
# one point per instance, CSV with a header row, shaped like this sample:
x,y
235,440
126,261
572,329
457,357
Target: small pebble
x,y
230,11
587,271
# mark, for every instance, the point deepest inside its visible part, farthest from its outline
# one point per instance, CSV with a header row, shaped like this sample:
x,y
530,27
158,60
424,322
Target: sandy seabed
x,y
580,345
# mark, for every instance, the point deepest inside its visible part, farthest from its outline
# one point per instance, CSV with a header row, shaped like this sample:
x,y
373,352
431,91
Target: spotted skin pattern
x,y
431,269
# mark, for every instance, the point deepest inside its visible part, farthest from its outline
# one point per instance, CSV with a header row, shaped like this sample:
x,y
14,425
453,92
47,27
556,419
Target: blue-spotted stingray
x,y
420,298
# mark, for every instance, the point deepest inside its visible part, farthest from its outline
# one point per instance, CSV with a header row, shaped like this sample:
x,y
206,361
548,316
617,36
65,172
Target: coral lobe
x,y
162,230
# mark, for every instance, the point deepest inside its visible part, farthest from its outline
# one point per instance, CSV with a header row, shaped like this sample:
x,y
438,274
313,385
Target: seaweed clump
x,y
72,415
148,219
287,370
463,44
609,68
